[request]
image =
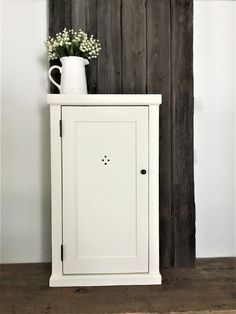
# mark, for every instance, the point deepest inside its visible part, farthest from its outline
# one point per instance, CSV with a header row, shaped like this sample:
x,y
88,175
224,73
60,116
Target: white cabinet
x,y
104,169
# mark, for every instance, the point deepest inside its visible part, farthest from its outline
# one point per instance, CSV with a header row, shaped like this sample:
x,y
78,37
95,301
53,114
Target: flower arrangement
x,y
72,43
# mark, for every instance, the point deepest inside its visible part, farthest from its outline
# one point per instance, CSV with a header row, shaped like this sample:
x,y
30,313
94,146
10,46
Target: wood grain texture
x,y
134,46
84,16
209,287
183,207
158,81
109,34
59,18
60,15
147,48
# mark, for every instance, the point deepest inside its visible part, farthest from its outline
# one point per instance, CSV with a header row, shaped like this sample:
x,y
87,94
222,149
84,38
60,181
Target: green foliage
x,y
71,43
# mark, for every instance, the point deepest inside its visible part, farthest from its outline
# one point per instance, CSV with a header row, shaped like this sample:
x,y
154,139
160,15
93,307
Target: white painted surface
x,y
25,133
105,99
25,149
56,192
73,77
71,114
153,190
105,280
215,85
0,131
105,196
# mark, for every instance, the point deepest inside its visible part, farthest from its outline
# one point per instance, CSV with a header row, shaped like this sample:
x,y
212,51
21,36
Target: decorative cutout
x,y
105,160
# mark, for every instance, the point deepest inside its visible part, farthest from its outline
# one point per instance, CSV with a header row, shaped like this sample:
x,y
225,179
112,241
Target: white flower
x,y
82,45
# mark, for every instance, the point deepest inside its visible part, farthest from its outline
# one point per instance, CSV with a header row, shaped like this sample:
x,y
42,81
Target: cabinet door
x,y
105,196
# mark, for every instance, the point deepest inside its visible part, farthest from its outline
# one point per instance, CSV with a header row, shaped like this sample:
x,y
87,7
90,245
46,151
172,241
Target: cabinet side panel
x,y
55,115
153,189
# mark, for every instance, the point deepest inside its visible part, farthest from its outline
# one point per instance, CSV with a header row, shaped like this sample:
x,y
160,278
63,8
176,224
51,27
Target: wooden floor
x,y
209,288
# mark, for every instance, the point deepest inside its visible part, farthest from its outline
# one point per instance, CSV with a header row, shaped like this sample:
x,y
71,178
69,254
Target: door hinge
x,y
62,253
60,127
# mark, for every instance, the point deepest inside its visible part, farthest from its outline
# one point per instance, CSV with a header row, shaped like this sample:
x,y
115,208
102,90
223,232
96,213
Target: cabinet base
x,y
105,280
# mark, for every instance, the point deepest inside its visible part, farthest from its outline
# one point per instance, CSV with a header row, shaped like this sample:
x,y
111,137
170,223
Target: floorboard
x,y
210,288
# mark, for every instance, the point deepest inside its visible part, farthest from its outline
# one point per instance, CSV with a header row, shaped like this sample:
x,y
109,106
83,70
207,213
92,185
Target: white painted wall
x,y
0,126
215,85
25,178
25,133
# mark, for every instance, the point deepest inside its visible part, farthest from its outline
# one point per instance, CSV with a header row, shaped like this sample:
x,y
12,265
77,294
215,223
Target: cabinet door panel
x,y
105,197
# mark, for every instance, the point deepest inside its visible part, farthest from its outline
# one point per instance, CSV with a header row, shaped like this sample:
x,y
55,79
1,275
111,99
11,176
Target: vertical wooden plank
x,y
183,206
80,14
84,16
147,47
158,82
59,15
109,34
59,18
134,46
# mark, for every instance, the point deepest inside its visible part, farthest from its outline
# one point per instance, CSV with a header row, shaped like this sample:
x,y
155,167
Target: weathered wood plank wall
x,y
59,18
147,48
109,34
84,16
158,81
183,208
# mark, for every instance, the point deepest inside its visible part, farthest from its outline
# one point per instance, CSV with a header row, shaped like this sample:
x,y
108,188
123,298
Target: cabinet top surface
x,y
104,99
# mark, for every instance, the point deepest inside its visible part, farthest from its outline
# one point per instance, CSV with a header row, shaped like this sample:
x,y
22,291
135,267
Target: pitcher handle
x,y
50,77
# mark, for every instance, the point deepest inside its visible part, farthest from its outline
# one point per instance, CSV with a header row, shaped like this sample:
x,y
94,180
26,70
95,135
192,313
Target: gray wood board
x,y
147,48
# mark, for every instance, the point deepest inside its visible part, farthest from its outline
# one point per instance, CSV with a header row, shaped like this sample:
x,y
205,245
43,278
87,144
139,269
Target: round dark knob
x,y
143,171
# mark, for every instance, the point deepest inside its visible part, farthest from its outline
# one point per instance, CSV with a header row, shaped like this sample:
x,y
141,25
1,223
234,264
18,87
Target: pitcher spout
x,y
86,62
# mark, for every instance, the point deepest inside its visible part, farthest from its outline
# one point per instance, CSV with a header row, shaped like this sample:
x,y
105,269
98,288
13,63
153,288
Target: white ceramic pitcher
x,y
73,77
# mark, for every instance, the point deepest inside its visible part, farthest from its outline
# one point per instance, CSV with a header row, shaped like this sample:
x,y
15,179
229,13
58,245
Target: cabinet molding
x,y
104,100
82,110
